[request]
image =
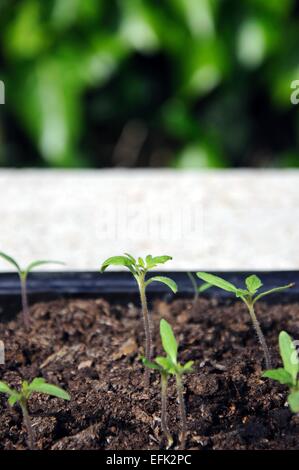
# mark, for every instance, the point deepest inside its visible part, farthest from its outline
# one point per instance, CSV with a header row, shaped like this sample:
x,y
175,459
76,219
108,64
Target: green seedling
x,y
197,289
249,296
167,366
23,275
288,374
21,397
139,269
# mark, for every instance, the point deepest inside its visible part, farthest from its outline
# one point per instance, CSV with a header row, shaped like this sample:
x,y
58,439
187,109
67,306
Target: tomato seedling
x,y
21,397
139,269
167,366
288,374
249,296
23,275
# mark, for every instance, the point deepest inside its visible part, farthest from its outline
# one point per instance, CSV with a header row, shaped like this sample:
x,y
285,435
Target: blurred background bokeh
x,y
149,83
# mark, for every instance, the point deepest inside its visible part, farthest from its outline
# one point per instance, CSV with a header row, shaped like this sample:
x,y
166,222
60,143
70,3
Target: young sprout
x,y
139,269
167,366
288,374
249,296
23,274
38,385
197,289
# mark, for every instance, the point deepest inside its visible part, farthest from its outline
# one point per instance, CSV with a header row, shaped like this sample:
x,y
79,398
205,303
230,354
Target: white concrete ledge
x,y
232,219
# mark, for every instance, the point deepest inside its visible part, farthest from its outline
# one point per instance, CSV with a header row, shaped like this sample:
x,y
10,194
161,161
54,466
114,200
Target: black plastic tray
x,y
121,287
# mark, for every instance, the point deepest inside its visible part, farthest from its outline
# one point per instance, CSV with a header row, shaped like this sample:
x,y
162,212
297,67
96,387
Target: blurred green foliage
x,y
183,83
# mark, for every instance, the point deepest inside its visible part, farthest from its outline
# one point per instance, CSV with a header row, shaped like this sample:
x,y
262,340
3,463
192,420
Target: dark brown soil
x,y
92,349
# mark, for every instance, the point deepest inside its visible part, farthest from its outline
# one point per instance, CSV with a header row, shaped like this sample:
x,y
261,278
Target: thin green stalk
x,y
194,285
165,429
25,308
260,335
28,425
180,392
147,326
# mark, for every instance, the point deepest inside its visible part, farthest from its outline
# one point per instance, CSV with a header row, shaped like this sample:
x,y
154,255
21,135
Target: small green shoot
x,y
197,289
167,366
23,274
250,295
139,269
38,385
288,374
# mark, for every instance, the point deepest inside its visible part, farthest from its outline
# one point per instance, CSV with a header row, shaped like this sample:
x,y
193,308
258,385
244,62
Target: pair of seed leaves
x,y
288,374
139,267
253,284
38,385
24,272
168,364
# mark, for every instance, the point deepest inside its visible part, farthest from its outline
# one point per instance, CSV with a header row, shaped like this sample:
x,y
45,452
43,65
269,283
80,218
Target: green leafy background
x,y
179,83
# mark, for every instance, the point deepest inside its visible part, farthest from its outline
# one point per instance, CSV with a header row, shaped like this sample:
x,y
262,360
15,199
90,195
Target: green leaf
x,y
165,363
241,293
217,281
141,262
280,374
253,283
273,291
168,340
161,259
149,261
204,287
187,367
4,388
35,264
131,258
289,355
293,400
35,382
149,364
10,260
152,261
117,261
165,280
14,398
39,385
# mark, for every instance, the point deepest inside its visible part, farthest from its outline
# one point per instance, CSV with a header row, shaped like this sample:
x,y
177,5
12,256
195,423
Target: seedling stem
x,y
260,334
180,392
146,320
28,425
25,307
164,399
197,289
